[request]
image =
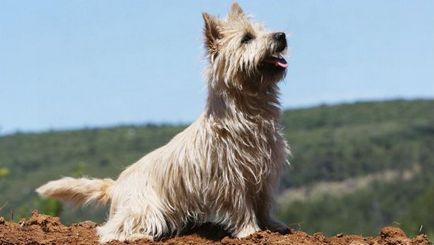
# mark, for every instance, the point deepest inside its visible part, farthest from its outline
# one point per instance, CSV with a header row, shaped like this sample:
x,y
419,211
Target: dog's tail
x,y
78,191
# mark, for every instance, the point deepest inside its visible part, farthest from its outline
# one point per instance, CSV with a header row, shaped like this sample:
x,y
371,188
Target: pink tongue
x,y
283,65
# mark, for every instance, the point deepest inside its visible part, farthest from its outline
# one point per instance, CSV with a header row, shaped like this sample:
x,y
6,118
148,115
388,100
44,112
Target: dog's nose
x,y
280,36
280,39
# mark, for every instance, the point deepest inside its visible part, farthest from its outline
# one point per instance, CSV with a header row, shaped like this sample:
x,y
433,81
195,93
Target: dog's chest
x,y
251,152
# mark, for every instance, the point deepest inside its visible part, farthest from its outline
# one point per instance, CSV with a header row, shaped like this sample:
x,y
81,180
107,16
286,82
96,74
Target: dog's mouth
x,y
276,60
273,66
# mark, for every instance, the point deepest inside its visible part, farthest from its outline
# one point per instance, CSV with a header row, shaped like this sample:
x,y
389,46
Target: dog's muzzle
x,y
276,58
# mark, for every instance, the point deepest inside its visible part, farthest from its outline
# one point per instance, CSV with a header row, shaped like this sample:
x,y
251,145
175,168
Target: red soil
x,y
42,229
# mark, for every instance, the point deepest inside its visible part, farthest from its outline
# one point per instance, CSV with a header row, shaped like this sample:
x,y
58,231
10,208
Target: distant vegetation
x,y
355,167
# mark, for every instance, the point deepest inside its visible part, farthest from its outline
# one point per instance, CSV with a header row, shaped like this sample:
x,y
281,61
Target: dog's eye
x,y
246,38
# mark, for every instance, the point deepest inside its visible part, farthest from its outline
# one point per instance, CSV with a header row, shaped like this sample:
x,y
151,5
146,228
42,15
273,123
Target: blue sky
x,y
71,64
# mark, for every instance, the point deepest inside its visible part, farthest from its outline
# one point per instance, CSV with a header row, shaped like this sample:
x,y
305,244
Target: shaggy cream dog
x,y
221,169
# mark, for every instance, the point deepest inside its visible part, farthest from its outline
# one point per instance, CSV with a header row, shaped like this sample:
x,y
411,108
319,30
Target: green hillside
x,y
355,167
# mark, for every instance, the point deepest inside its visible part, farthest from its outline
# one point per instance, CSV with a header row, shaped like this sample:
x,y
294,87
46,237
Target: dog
x,y
224,167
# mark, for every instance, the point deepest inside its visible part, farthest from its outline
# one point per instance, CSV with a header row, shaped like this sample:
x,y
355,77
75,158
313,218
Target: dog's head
x,y
242,53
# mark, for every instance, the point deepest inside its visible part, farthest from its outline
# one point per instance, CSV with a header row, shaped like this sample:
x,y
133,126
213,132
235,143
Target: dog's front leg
x,y
263,212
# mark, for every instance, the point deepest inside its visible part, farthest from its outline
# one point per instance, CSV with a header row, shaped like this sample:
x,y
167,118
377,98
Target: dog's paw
x,y
246,231
276,226
282,229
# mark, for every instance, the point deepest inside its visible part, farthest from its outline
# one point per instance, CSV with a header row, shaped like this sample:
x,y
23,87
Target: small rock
x,y
392,232
22,222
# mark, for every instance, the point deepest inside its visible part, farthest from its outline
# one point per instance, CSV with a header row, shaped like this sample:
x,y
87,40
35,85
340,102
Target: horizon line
x,y
183,123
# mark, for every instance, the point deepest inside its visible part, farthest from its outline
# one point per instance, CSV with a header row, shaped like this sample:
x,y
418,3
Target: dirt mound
x,y
42,229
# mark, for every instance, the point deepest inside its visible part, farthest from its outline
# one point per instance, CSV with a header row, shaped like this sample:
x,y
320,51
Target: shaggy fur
x,y
221,169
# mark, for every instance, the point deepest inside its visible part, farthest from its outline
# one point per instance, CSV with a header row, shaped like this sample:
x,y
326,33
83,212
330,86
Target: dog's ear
x,y
212,31
235,12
